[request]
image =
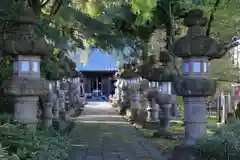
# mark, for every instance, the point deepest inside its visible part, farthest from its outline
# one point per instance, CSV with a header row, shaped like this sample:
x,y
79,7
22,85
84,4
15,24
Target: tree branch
x,y
56,6
211,18
43,4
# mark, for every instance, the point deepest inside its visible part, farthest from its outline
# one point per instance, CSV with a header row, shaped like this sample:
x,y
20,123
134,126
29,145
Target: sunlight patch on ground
x,y
104,122
79,145
98,116
98,105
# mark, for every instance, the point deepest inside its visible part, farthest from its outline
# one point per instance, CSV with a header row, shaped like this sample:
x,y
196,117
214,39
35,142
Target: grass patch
x,y
166,145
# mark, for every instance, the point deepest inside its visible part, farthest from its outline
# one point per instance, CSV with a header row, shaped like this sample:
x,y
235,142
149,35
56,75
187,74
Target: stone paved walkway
x,y
101,134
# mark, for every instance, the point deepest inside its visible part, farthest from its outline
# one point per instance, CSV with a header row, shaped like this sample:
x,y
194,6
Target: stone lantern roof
x,y
127,72
153,71
27,16
24,41
196,44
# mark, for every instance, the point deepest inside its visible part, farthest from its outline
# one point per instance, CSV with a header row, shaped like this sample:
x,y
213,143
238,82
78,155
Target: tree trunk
x,y
169,27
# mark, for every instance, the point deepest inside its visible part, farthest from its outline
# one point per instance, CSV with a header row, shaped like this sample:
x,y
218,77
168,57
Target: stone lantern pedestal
x,y
164,100
134,88
26,84
152,109
196,50
124,97
144,85
47,114
61,99
118,92
56,108
64,87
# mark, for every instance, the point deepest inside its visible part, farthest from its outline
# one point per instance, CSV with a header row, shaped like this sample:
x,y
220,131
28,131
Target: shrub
x,y
26,145
223,145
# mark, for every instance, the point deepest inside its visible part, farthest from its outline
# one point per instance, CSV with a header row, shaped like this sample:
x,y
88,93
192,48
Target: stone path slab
x,y
102,134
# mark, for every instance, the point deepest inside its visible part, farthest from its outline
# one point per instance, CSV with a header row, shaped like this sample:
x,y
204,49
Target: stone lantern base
x,y
143,113
26,93
152,112
132,113
25,111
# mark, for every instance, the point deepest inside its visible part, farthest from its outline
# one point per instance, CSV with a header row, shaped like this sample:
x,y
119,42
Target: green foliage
x,y
224,144
6,103
143,9
179,101
26,145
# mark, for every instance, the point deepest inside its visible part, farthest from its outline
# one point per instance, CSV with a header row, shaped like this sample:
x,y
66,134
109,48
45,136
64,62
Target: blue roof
x,y
98,61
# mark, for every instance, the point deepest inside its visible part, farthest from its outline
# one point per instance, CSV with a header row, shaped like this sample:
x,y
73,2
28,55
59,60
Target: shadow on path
x,y
101,134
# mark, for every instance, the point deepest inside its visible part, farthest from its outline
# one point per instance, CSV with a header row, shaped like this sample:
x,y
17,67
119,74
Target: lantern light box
x,y
165,87
35,66
25,66
195,67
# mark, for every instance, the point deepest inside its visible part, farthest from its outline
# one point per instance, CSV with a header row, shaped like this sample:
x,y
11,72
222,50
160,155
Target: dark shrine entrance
x,y
100,82
96,84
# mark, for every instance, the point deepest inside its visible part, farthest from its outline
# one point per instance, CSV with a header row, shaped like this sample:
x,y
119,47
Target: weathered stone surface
x,y
196,43
24,87
193,87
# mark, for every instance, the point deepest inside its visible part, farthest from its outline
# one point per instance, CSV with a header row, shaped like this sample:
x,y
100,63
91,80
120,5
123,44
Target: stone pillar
x,y
195,118
47,115
118,91
164,100
144,85
55,109
61,99
64,87
143,107
48,106
71,96
124,97
134,98
152,109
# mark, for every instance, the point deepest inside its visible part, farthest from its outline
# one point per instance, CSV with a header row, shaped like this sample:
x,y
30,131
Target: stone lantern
x,y
124,97
125,75
159,92
75,90
64,84
118,91
196,50
153,108
131,86
76,80
164,97
134,88
26,84
144,86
